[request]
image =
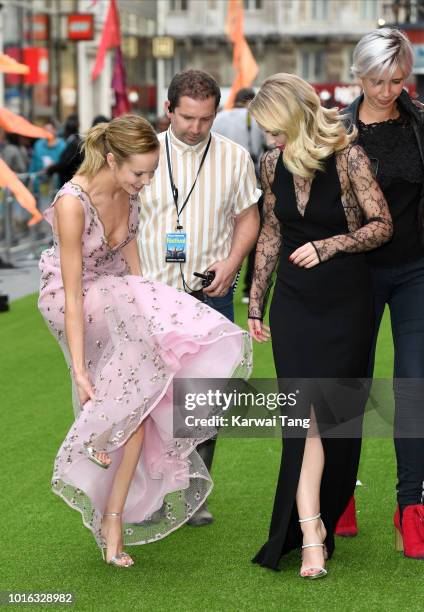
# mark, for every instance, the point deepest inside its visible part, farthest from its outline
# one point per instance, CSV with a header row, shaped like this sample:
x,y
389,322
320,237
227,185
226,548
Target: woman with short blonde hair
x,y
322,210
391,130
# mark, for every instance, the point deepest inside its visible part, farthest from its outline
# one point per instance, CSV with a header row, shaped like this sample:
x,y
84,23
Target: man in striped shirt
x,y
203,199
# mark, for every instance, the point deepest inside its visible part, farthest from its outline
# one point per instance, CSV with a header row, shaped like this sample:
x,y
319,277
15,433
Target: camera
x,y
207,278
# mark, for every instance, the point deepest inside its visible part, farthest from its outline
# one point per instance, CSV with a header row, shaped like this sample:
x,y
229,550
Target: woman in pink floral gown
x,y
125,339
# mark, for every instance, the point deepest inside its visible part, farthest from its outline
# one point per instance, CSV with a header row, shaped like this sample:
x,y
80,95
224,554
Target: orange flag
x,y
244,63
25,198
10,66
18,125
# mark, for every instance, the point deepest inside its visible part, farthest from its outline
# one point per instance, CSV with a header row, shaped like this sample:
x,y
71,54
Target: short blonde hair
x,y
286,103
382,51
123,136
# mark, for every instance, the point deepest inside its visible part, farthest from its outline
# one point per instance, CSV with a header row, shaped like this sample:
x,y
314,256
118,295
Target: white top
x,y
225,187
239,125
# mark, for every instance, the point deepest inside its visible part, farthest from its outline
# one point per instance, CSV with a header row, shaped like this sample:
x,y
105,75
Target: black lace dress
x,y
321,318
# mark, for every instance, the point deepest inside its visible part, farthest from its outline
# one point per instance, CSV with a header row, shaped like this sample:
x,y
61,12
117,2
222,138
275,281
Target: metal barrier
x,y
15,235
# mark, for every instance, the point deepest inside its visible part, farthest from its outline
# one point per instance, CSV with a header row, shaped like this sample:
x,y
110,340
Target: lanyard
x,y
173,186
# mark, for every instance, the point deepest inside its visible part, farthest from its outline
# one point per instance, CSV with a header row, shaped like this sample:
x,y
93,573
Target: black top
x,y
69,161
395,157
394,153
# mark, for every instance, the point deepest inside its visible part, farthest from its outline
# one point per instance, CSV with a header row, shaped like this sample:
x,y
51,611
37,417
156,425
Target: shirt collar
x,y
182,147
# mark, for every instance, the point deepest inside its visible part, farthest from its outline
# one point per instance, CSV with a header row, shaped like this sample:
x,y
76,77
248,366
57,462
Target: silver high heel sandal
x,y
322,572
116,558
91,455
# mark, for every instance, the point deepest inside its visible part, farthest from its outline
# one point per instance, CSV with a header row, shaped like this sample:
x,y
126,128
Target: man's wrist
x,y
235,262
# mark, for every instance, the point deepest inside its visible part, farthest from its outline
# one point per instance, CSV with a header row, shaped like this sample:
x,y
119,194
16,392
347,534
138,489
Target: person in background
x,y
100,119
72,156
238,125
162,124
11,151
46,152
204,195
391,130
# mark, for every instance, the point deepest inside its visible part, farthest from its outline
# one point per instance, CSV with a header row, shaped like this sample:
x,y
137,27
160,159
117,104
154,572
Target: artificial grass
x,y
45,548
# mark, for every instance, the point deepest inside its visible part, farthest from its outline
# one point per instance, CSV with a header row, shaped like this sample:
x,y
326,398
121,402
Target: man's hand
x,y
225,272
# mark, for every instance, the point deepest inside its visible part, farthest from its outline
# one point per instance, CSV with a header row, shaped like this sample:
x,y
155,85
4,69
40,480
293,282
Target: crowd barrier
x,y
15,235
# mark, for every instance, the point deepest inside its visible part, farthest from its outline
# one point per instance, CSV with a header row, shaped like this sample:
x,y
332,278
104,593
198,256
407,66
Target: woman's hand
x,y
84,388
305,256
258,330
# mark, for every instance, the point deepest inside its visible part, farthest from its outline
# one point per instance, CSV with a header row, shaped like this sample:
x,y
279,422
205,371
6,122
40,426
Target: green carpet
x,y
45,548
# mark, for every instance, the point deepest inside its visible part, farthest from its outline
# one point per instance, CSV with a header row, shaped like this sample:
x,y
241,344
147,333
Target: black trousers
x,y
401,287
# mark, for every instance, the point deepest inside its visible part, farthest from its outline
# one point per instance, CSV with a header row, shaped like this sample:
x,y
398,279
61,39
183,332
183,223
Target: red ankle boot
x,y
347,525
412,530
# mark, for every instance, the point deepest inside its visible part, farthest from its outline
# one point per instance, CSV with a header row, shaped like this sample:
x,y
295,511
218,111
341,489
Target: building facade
x,y
37,32
312,38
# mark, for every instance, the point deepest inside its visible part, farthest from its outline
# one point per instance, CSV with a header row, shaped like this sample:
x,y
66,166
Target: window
x,y
320,9
312,65
369,10
253,5
178,5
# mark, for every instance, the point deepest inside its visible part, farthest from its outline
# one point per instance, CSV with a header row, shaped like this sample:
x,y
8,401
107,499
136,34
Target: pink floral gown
x,y
139,335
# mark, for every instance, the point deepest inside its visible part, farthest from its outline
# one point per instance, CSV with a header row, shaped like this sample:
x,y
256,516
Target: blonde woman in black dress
x,y
322,210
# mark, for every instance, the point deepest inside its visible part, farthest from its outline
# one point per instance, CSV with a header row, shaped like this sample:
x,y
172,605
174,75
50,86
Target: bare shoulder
x,y
268,165
69,206
69,217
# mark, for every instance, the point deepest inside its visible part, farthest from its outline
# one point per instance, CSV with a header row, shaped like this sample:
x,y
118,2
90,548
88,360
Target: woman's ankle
x,y
315,528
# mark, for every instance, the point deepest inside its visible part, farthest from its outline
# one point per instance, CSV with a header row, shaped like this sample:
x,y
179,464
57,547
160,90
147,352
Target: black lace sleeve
x,y
377,227
269,241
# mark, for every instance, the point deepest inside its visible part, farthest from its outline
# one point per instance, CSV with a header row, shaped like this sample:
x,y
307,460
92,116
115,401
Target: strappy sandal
x,y
116,560
321,571
91,453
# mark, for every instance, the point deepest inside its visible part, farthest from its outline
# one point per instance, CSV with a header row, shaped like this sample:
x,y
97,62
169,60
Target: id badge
x,y
176,247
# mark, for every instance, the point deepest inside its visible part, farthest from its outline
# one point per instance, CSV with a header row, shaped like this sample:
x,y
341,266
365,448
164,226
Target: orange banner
x,y
11,66
25,198
18,125
244,63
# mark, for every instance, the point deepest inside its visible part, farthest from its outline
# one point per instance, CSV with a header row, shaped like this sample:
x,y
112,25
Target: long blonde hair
x,y
123,136
286,103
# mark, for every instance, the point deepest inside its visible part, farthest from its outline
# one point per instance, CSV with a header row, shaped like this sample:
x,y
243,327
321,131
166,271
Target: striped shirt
x,y
225,187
